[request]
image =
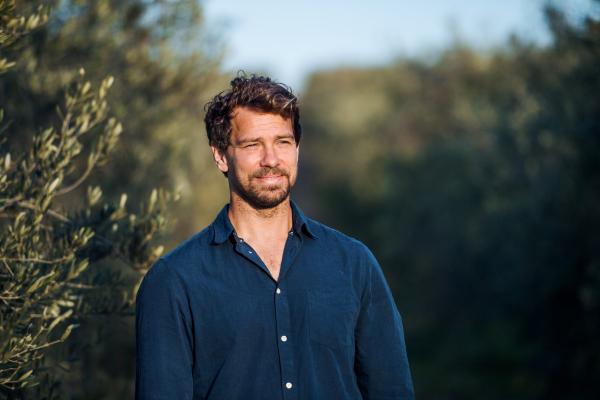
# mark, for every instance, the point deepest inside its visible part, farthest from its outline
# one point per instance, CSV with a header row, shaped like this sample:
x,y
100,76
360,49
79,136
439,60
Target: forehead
x,y
247,122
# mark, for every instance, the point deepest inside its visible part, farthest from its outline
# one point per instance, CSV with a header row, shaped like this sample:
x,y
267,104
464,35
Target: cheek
x,y
290,156
248,161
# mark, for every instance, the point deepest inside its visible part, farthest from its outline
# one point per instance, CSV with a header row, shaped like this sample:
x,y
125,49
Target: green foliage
x,y
165,69
475,182
50,273
48,255
14,26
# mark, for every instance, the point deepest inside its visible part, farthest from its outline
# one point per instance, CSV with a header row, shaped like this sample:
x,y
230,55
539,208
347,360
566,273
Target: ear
x,y
220,158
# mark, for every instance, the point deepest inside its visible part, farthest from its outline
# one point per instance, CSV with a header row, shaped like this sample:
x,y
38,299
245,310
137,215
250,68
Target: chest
x,y
271,253
234,301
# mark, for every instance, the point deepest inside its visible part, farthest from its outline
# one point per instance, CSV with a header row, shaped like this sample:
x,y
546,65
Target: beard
x,y
263,196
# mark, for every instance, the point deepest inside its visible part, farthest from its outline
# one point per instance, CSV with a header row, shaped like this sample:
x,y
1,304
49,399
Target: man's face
x,y
262,159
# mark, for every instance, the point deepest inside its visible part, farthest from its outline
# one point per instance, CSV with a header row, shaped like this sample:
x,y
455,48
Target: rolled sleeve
x,y
164,354
381,364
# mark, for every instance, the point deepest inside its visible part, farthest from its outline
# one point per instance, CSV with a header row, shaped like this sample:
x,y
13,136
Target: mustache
x,y
269,171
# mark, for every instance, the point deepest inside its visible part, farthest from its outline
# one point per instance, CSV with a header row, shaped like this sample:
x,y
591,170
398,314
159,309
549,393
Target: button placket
x,y
284,343
245,250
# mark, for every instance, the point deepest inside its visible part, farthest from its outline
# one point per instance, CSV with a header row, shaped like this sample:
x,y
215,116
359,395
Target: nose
x,y
270,158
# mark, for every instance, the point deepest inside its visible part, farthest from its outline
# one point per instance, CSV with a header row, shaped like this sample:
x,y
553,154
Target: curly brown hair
x,y
256,93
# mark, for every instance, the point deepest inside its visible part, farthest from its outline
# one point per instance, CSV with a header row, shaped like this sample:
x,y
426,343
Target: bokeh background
x,y
459,140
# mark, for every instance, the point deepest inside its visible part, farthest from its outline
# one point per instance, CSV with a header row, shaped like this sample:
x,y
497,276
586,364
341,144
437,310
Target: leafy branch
x,y
47,253
14,26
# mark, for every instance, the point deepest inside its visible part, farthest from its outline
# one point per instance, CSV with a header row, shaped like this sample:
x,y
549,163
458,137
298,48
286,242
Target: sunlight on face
x,y
262,159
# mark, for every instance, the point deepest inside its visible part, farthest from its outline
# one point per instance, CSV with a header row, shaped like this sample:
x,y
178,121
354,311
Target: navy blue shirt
x,y
212,323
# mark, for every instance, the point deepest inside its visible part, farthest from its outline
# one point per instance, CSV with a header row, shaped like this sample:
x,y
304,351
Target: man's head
x,y
258,94
254,132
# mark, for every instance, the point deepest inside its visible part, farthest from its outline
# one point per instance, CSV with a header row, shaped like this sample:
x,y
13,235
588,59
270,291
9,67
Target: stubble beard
x,y
262,196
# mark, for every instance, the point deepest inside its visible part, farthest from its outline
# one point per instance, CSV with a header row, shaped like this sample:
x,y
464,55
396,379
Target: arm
x,y
381,364
164,357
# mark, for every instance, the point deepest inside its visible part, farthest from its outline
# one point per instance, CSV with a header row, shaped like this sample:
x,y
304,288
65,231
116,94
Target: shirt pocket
x,y
332,318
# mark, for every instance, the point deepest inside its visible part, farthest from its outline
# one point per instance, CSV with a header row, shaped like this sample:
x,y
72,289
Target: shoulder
x,y
333,240
183,257
346,253
191,249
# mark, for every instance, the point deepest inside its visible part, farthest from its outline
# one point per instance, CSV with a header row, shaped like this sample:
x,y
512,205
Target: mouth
x,y
269,178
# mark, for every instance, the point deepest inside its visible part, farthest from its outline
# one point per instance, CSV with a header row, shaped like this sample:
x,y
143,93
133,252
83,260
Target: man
x,y
266,303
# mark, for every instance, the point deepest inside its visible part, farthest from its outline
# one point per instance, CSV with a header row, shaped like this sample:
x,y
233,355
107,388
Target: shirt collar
x,y
223,228
300,221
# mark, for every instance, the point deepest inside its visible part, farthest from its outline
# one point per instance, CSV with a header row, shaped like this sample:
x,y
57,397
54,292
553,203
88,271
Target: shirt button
x,y
250,252
288,385
284,338
278,291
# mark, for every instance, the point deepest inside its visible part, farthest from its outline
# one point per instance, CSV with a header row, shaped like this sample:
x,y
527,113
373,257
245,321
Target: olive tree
x,y
52,241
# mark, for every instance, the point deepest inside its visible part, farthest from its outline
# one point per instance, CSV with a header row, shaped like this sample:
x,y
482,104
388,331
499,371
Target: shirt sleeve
x,y
381,365
164,356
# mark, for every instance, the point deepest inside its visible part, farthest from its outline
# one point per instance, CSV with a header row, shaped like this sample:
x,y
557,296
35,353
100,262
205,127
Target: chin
x,y
265,198
271,200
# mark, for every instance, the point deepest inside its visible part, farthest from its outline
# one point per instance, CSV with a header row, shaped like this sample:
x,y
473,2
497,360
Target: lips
x,y
269,178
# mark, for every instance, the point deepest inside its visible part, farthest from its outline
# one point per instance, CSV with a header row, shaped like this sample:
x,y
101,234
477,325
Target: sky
x,y
288,40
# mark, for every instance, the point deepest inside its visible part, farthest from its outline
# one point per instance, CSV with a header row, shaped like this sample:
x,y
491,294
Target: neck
x,y
259,224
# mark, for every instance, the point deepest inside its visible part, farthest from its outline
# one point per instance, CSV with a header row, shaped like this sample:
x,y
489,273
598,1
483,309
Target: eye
x,y
250,145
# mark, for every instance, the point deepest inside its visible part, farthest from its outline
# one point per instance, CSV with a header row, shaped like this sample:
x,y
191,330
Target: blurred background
x,y
458,139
